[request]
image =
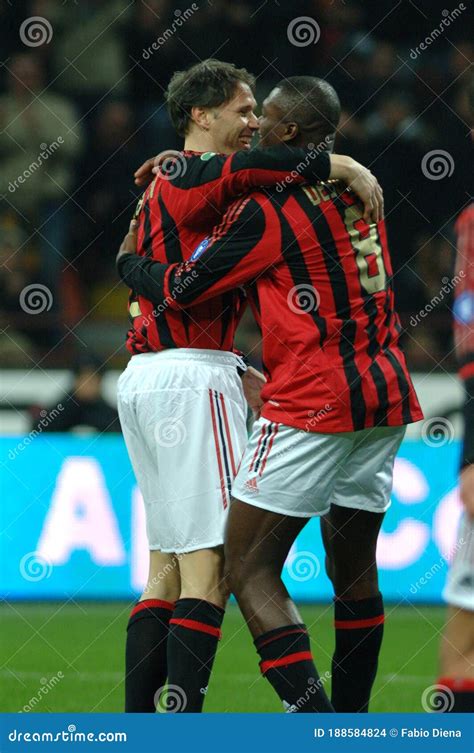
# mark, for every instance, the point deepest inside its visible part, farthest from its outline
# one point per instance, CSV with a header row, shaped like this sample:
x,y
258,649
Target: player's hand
x,y
144,175
467,489
362,182
252,382
129,243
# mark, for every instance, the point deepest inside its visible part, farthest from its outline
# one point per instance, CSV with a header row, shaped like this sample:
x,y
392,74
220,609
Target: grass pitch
x,y
82,646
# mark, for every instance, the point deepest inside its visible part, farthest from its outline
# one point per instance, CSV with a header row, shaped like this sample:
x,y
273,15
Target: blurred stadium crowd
x,y
81,107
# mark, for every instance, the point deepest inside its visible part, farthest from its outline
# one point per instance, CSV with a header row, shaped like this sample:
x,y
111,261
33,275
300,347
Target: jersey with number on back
x,y
320,282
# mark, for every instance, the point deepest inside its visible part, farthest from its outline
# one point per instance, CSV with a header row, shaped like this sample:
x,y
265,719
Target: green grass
x,y
85,643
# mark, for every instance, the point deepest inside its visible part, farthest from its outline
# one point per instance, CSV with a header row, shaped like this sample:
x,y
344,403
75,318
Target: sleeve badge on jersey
x,y
200,249
463,308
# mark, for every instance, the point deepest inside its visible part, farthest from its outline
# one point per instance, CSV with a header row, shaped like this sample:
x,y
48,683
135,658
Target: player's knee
x,y
351,587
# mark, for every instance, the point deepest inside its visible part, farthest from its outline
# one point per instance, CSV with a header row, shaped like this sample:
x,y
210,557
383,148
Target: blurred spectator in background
x,y
16,273
106,193
39,139
82,409
87,57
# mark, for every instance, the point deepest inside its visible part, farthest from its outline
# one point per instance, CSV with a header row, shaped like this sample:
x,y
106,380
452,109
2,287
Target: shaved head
x,y
308,108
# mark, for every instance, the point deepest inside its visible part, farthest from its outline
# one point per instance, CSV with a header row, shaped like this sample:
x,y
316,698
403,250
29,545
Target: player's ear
x,y
291,131
201,116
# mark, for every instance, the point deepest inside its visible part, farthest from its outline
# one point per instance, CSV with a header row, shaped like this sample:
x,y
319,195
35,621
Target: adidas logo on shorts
x,y
251,485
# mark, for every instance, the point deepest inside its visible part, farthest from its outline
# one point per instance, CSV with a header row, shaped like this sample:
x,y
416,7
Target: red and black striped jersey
x,y
180,207
464,322
319,281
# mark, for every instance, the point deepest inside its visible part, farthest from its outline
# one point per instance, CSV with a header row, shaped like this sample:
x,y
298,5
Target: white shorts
x,y
459,590
183,416
298,473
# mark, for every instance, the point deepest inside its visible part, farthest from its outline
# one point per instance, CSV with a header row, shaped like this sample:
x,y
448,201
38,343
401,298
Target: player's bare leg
x,y
147,634
457,659
195,628
257,545
202,576
350,539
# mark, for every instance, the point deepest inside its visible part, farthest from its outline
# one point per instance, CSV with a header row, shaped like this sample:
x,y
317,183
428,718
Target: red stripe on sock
x,y
199,626
147,603
458,684
358,624
285,660
282,635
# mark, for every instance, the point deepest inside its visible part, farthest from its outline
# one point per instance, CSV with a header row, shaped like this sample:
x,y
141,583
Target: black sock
x,y
288,665
459,700
145,653
195,630
359,633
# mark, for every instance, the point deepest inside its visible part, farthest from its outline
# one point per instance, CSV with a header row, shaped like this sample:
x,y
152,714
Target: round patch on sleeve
x,y
200,249
463,308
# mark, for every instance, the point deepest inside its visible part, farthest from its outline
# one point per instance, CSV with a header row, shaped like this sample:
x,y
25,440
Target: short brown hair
x,y
210,83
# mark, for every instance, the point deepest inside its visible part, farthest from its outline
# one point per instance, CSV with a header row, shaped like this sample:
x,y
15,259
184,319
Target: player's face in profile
x,y
235,122
271,123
